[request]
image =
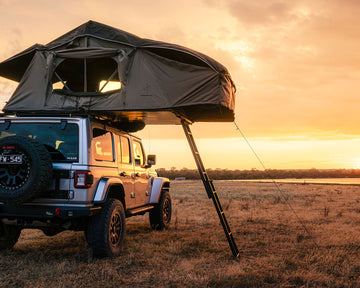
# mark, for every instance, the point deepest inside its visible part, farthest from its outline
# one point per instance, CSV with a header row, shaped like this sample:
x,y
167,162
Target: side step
x,y
139,210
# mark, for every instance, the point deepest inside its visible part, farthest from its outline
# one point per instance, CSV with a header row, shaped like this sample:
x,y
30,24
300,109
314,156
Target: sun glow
x,y
241,50
355,163
293,152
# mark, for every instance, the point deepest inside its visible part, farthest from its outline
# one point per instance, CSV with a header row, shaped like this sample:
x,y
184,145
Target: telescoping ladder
x,y
209,187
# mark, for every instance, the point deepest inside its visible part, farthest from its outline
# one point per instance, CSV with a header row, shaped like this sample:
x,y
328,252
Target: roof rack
x,y
123,124
48,114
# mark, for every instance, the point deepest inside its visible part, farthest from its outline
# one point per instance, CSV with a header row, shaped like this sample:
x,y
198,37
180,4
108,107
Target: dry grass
x,y
275,249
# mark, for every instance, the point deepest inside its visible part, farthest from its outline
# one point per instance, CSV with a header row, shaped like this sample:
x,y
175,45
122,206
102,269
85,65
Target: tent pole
x,y
85,77
209,187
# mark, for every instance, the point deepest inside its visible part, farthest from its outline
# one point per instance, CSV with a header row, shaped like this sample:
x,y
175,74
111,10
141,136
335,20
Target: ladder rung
x,y
209,187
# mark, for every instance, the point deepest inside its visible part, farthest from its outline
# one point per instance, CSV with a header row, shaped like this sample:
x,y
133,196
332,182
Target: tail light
x,y
83,179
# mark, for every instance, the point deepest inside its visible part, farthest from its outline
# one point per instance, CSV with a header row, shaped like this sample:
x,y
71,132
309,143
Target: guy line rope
x,y
282,193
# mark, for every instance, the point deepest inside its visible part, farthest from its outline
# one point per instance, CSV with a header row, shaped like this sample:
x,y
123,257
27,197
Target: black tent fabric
x,y
103,71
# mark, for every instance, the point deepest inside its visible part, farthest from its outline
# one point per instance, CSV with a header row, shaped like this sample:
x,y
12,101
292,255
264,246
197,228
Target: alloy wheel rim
x,y
166,210
115,229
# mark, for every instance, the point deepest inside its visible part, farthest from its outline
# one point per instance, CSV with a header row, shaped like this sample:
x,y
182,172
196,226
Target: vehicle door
x,y
126,169
141,177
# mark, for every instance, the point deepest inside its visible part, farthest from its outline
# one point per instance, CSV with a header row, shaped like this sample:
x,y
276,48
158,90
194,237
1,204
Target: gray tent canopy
x,y
100,70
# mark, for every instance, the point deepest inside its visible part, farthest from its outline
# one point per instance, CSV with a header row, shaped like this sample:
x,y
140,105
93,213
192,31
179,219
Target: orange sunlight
x,y
294,63
274,152
109,86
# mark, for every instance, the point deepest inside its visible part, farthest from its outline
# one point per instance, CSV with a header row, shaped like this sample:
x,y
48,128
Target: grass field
x,y
276,251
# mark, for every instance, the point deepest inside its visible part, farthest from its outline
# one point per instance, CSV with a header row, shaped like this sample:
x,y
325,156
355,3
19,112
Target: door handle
x,y
123,174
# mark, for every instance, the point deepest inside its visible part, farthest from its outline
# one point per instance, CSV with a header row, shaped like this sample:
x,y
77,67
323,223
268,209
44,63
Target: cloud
x,y
7,87
10,42
305,64
259,13
295,63
298,31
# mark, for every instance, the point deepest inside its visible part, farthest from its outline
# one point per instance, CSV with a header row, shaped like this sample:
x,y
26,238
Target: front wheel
x,y
105,233
9,235
160,216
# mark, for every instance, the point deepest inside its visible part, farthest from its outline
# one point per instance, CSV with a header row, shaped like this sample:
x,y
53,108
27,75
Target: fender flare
x,y
103,188
157,186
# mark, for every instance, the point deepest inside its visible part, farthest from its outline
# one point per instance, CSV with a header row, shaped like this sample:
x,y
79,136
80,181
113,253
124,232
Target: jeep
x,y
78,173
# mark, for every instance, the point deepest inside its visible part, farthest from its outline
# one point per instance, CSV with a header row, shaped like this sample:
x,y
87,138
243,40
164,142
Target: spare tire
x,y
25,169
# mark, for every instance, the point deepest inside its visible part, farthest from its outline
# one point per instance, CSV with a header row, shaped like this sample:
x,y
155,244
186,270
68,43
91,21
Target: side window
x,y
124,150
97,75
138,153
102,145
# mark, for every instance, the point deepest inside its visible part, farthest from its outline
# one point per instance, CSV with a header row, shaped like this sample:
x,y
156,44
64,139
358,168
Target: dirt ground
x,y
298,236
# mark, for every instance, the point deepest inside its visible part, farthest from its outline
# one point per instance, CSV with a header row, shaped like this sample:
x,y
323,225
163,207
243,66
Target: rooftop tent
x,y
101,70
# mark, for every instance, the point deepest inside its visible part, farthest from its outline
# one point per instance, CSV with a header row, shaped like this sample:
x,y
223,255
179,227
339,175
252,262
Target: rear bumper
x,y
47,212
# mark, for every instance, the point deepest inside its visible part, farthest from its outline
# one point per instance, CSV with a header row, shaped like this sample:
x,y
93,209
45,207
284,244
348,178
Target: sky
x,y
296,66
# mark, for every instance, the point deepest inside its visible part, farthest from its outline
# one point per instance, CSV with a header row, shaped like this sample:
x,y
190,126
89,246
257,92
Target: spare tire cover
x,y
25,169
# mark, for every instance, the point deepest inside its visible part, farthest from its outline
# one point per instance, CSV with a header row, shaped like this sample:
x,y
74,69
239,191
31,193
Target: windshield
x,y
62,141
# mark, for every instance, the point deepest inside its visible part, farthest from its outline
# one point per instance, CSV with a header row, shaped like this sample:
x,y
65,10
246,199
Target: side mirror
x,y
151,160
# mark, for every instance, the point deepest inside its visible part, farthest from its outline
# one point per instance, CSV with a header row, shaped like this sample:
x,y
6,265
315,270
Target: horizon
x,y
295,65
258,170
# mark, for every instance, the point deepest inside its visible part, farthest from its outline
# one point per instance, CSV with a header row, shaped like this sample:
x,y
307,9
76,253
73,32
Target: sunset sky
x,y
296,65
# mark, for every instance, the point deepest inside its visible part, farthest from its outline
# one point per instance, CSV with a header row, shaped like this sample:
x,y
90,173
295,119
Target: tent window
x,y
97,75
109,86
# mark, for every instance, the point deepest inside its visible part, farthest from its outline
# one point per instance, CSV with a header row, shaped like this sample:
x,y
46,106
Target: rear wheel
x,y
105,234
9,235
160,216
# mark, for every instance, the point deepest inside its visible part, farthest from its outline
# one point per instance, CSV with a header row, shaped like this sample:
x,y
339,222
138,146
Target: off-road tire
x,y
106,230
9,235
160,216
22,182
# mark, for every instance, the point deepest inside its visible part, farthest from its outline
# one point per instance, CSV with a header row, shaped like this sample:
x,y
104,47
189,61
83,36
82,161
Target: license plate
x,y
10,159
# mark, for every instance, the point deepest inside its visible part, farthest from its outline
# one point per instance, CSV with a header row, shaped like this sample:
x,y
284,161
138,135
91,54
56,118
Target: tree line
x,y
226,174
